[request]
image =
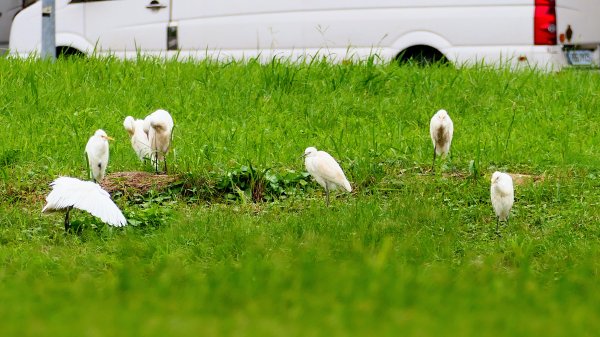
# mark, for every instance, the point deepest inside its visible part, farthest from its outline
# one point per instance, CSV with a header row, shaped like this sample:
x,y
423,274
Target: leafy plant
x,y
150,211
247,182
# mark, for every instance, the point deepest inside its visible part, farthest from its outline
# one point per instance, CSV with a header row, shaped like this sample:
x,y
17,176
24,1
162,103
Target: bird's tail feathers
x,y
158,125
161,125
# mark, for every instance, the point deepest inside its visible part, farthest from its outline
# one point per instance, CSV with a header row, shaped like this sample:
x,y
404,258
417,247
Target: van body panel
x,y
583,16
464,31
272,24
131,26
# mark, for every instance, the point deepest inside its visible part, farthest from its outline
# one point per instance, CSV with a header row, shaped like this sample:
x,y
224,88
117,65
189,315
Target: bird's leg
x,y
327,194
155,162
497,223
165,162
67,222
87,162
433,162
155,155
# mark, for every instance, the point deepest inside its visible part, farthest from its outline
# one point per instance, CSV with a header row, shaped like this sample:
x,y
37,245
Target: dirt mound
x,y
137,182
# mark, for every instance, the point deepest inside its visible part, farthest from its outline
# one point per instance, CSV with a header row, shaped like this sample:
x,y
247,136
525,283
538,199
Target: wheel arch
x,y
421,43
73,44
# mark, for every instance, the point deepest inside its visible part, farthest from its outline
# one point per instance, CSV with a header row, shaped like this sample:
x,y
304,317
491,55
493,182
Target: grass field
x,y
407,253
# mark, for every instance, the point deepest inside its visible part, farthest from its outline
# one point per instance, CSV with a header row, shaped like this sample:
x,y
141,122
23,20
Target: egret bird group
x,y
151,137
68,193
441,130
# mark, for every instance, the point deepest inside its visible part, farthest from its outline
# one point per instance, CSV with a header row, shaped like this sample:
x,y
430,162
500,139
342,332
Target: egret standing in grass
x,y
139,137
96,150
441,129
503,196
68,193
159,126
325,170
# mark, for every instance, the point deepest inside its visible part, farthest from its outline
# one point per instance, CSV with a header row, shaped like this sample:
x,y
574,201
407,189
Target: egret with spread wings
x,y
68,193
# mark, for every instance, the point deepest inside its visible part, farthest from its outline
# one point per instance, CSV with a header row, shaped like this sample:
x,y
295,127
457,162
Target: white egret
x,y
441,129
503,196
70,192
325,170
159,126
139,137
96,150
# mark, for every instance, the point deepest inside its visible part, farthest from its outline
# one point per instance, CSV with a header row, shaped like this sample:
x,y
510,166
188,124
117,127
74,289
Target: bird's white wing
x,y
450,126
434,124
84,195
329,169
65,192
91,145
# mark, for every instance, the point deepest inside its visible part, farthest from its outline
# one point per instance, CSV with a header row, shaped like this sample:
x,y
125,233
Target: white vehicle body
x,y
8,10
462,31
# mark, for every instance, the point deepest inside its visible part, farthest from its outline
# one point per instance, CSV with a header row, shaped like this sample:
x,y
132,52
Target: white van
x,y
543,33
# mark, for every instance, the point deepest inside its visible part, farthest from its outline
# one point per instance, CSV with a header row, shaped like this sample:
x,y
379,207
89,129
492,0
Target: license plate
x,y
579,57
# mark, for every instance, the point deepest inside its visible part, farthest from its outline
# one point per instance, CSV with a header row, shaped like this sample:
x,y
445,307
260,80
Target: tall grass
x,y
235,112
407,252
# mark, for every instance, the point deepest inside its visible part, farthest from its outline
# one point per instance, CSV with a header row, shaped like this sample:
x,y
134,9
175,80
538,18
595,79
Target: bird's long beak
x,y
302,156
109,138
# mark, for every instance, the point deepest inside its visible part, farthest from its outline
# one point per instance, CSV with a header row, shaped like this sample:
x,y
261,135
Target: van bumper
x,y
551,58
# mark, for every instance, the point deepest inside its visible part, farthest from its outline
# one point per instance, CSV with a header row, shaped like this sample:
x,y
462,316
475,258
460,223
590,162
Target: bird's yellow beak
x,y
109,138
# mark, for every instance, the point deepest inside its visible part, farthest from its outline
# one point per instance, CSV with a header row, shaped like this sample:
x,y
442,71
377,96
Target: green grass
x,y
406,253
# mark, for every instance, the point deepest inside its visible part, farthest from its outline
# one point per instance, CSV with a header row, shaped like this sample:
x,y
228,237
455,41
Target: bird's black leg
x,y
165,162
497,223
433,162
87,162
327,194
67,222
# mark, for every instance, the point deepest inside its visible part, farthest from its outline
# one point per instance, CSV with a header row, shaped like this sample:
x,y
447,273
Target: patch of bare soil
x,y
522,179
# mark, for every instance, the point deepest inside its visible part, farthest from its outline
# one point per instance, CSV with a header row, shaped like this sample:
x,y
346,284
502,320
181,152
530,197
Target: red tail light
x,y
544,22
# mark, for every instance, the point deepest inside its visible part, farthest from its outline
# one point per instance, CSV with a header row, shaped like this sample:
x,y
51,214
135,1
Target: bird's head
x,y
100,133
129,124
442,114
495,177
309,151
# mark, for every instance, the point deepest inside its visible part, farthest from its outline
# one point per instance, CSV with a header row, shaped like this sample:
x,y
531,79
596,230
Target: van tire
x,y
421,55
67,52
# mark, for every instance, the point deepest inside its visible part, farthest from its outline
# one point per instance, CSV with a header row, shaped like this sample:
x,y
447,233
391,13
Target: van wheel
x,y
421,56
68,52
